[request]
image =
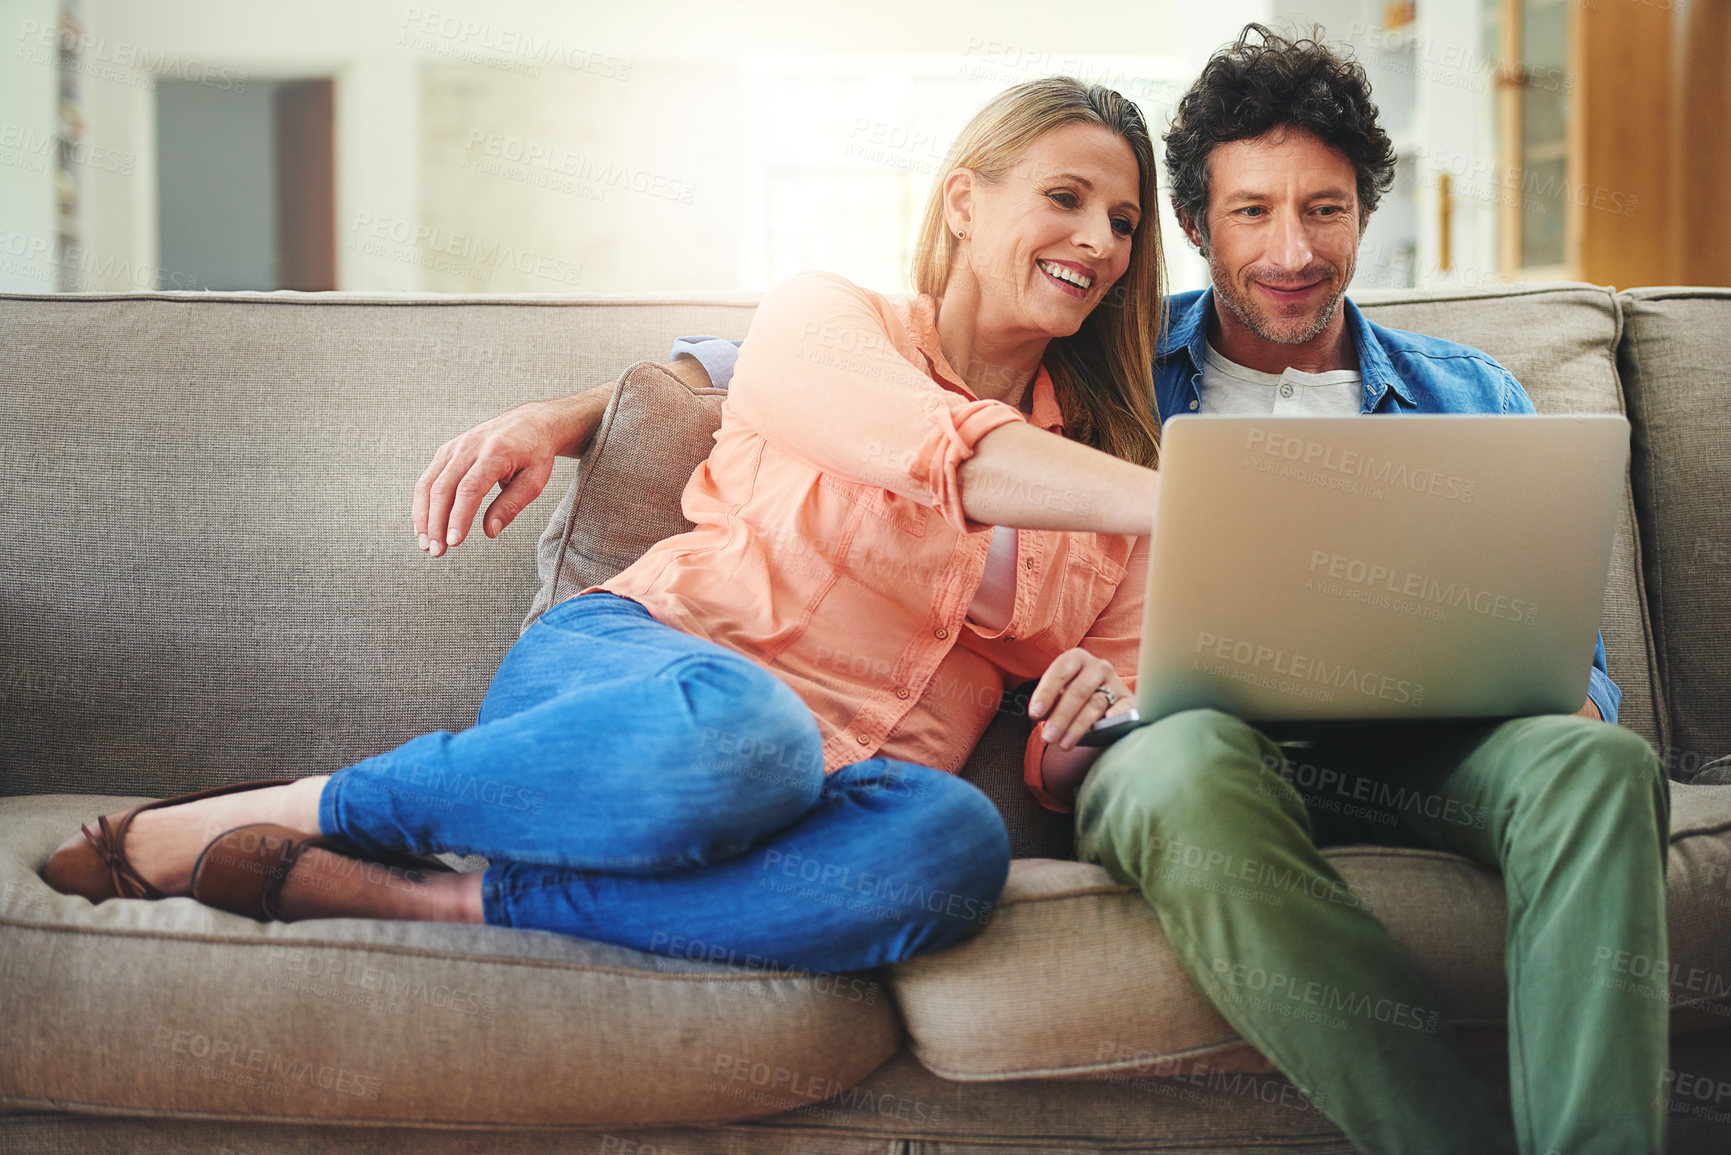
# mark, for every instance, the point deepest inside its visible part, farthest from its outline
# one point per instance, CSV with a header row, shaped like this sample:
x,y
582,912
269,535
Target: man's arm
x,y
515,451
1603,695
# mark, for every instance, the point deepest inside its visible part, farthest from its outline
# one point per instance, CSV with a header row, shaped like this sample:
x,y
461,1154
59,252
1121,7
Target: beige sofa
x,y
208,575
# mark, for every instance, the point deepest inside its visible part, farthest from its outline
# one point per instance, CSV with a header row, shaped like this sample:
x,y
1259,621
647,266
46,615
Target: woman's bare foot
x,y
162,844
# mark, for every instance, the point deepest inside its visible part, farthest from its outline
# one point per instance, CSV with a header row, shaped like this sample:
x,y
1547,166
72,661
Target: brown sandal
x,y
242,870
97,868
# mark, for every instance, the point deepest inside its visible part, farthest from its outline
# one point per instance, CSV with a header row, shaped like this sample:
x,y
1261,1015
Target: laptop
x,y
1307,569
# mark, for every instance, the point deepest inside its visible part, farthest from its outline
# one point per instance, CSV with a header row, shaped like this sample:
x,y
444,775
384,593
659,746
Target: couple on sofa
x,y
656,743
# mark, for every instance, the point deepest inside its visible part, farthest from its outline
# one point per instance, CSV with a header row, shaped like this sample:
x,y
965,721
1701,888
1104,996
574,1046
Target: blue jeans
x,y
635,785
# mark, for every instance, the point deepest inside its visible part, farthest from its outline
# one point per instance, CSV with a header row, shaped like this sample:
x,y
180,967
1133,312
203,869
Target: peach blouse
x,y
829,542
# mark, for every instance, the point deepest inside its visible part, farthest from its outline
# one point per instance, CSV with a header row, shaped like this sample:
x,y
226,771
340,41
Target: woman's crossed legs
x,y
632,784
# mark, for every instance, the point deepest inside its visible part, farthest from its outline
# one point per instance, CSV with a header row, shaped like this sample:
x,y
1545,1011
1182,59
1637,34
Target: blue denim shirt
x,y
1403,373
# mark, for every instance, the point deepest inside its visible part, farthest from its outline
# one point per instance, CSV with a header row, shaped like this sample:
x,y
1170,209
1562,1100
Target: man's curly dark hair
x,y
1255,87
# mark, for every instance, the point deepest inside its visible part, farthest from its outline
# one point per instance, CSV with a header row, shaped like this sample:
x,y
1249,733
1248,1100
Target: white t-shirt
x,y
1228,387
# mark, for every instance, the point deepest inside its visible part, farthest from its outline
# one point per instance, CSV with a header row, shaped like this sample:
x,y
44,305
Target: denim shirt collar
x,y
1187,330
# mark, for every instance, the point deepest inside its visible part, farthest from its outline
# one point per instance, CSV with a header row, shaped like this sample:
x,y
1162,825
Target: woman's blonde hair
x,y
1103,374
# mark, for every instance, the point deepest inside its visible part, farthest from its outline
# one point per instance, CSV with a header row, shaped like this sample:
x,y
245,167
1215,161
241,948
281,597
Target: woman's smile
x,y
1070,278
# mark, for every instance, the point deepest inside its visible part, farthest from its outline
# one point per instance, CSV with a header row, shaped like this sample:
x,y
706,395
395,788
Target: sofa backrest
x,y
1676,366
211,575
208,572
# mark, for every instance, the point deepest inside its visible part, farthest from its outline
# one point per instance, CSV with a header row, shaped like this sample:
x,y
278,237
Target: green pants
x,y
1219,826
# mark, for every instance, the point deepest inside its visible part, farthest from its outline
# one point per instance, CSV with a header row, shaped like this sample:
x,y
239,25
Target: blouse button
x,y
901,691
864,741
940,633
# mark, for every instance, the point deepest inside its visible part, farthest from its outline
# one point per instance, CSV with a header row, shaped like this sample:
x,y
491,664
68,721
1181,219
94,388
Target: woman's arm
x,y
1023,476
827,373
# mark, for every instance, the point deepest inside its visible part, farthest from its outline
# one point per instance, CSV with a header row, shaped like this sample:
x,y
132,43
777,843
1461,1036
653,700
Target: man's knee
x,y
1186,786
1179,766
1580,770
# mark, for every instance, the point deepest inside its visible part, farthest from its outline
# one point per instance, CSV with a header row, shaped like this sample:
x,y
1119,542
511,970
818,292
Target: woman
x,y
743,746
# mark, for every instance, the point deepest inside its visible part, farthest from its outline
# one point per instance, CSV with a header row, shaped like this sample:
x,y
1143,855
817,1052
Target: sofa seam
x,y
403,952
1506,291
1653,605
339,297
1657,696
111,1111
1190,1054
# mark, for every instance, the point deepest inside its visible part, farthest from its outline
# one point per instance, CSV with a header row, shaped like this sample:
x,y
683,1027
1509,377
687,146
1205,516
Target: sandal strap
x,y
109,844
242,870
109,840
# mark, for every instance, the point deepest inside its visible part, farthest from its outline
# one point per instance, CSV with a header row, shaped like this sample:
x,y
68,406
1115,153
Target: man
x,y
1276,161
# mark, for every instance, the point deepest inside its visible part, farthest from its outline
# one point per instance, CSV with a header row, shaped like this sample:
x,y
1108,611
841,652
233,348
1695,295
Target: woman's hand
x,y
1067,696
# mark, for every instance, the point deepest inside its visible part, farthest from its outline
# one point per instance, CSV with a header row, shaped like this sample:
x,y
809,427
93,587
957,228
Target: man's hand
x,y
514,450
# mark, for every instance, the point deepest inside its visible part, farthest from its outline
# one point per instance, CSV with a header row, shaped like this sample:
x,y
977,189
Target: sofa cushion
x,y
1676,357
173,1008
625,496
1073,976
1560,342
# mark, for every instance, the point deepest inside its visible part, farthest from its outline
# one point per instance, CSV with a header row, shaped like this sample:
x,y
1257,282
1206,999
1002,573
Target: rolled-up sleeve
x,y
1115,636
716,354
828,373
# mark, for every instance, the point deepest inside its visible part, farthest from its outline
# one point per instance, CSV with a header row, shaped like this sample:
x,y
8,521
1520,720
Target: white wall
x,y
27,159
659,88
654,87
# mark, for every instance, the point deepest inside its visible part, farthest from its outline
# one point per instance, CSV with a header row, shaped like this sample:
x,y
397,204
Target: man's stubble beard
x,y
1238,301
